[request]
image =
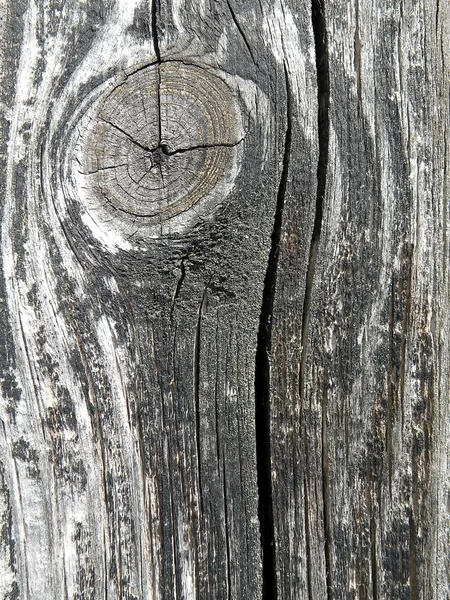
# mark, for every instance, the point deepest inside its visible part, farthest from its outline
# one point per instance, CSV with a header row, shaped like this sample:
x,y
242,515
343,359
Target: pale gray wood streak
x,y
128,436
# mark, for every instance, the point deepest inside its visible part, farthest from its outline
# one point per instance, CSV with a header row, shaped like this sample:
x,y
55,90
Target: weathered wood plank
x,y
362,493
131,309
224,299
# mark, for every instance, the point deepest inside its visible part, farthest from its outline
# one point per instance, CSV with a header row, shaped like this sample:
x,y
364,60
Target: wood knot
x,y
156,146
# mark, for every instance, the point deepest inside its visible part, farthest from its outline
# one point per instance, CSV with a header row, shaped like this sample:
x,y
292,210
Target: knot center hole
x,y
159,155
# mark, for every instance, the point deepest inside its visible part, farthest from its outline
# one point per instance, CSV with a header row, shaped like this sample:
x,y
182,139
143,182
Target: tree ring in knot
x,y
158,144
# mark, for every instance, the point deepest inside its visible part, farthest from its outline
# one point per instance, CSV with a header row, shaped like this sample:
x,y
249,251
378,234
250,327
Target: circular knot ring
x,y
159,142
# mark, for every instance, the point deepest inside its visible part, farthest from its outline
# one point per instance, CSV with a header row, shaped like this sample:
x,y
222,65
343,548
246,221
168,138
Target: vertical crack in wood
x,y
390,386
262,375
155,9
241,31
96,425
97,430
197,394
119,575
176,572
323,95
323,90
178,288
326,497
308,541
407,260
227,532
370,492
445,204
31,371
105,568
216,395
64,577
373,554
21,517
357,55
412,557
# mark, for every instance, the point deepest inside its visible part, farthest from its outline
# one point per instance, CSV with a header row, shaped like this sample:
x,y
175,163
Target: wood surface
x,y
224,300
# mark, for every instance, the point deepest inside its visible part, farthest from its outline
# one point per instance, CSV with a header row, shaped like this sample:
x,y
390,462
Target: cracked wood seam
x,y
225,299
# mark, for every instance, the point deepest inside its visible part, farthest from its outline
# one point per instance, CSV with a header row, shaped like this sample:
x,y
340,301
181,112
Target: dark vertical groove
x,y
323,91
391,389
409,250
373,556
155,9
323,122
197,395
241,31
216,396
445,208
326,498
119,578
357,52
262,376
105,569
412,558
308,541
227,532
176,571
178,288
66,591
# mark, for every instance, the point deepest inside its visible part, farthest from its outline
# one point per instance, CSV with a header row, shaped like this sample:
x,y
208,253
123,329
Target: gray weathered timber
x,y
224,300
142,172
359,398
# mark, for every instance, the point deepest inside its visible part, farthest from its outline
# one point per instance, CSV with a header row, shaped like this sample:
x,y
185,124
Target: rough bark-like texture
x,y
224,299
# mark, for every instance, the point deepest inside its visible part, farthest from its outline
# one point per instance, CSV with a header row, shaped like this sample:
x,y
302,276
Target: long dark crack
x,y
262,376
178,287
161,151
241,31
155,10
197,394
168,152
323,93
103,169
227,532
155,34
